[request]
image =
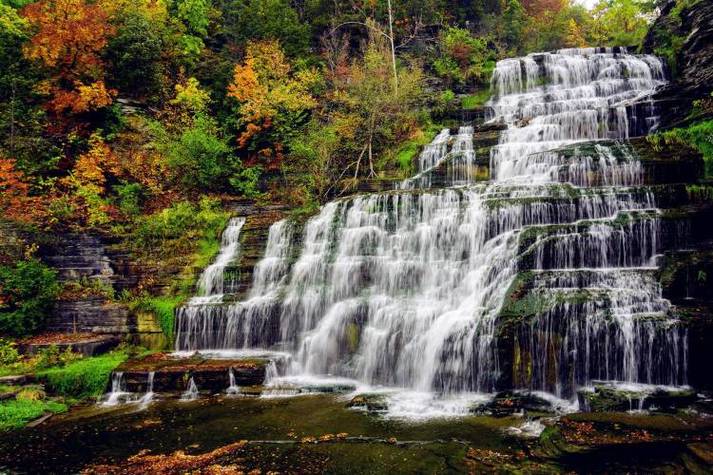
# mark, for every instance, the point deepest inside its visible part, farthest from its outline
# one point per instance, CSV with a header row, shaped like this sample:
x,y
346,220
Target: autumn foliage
x,y
15,202
269,94
70,36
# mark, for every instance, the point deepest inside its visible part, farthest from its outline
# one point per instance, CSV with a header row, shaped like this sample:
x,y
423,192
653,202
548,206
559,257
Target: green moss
x,y
352,334
699,193
16,413
163,307
475,100
410,149
84,378
698,135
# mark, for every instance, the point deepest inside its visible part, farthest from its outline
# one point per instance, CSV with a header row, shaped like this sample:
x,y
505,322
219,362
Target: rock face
x,y
91,314
694,60
100,266
86,346
173,374
11,243
84,259
77,256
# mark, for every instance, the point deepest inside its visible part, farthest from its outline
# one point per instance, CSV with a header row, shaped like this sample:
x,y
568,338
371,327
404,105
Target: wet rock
x,y
336,388
15,380
372,402
491,126
609,397
509,402
173,374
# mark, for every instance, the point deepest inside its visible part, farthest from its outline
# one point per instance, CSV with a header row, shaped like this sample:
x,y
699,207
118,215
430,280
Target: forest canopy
x,y
114,109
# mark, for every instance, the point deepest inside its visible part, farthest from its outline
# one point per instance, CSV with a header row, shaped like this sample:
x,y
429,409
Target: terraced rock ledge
x,y
173,374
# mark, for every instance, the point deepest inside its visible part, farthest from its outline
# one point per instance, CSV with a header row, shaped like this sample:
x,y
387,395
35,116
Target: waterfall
x,y
406,288
191,392
118,389
211,282
606,318
233,388
434,152
148,396
456,166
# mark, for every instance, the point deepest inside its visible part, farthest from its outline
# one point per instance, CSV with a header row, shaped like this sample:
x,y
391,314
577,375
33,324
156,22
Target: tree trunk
x,y
12,120
393,50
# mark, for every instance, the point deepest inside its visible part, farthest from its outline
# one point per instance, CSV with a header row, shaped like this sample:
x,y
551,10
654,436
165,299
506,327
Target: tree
x,y
195,15
88,179
198,154
575,38
262,20
135,54
15,202
273,100
514,20
464,58
21,119
70,36
371,114
200,158
621,22
538,8
27,292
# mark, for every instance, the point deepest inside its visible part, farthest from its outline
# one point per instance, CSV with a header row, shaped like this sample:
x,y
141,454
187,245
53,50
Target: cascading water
x,y
458,162
211,283
149,394
405,288
118,390
233,388
191,392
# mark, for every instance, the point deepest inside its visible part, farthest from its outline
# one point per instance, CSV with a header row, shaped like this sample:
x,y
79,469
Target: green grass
x,y
477,99
215,222
84,378
16,413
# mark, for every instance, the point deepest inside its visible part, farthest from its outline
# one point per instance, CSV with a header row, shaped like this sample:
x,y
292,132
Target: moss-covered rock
x,y
607,397
509,402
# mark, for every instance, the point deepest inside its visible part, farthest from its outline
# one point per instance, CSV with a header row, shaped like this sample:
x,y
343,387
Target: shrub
x,y
52,356
27,292
245,181
200,157
464,58
8,352
84,378
129,198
